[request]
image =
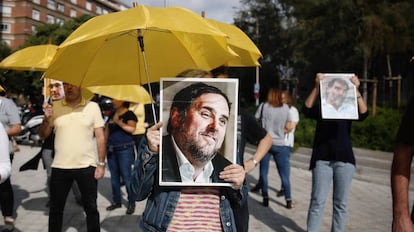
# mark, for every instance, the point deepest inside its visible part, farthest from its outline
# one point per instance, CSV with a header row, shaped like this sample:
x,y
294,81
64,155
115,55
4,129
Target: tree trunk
x,y
365,75
389,65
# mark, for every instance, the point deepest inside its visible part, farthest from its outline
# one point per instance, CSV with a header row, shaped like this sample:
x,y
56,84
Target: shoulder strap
x,y
261,111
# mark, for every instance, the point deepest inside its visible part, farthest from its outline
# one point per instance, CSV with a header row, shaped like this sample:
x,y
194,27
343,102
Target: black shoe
x,y
130,209
265,202
280,193
113,206
256,188
290,204
8,226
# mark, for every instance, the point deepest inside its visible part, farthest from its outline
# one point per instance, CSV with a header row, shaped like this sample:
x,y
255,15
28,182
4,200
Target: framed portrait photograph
x,y
338,96
199,132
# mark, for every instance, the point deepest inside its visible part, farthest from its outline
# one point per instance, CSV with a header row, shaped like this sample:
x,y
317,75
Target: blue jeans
x,y
120,160
60,183
281,155
322,175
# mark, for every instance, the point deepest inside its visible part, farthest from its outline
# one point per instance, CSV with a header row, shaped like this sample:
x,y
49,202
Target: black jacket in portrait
x,y
170,170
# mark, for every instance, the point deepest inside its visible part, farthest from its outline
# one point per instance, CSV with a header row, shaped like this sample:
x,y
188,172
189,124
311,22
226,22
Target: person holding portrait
x,y
197,126
332,159
80,154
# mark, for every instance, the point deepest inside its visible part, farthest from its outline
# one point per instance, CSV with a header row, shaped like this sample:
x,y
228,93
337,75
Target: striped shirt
x,y
198,209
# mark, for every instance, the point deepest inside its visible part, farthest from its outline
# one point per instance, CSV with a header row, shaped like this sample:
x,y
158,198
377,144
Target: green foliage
x,y
55,33
264,17
4,50
305,131
376,132
313,36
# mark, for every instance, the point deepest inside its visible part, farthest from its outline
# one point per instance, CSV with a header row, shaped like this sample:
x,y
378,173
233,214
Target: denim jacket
x,y
162,200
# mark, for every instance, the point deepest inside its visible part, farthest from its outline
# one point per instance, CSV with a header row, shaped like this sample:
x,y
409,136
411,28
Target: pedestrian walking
x,y
9,117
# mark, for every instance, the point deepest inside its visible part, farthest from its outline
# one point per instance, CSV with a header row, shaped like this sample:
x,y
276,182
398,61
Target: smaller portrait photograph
x,y
199,132
338,96
53,90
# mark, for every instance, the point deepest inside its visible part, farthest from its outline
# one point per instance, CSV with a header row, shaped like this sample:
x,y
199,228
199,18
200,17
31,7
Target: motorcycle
x,y
30,132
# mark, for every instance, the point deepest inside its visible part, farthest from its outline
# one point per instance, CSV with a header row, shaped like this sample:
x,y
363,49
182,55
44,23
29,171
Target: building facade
x,y
19,18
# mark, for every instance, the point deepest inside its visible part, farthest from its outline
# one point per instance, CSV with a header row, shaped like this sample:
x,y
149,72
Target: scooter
x,y
30,132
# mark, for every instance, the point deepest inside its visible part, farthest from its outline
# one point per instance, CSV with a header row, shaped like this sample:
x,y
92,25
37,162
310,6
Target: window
x,y
98,10
36,1
50,19
88,5
105,11
74,1
51,4
35,14
6,10
72,13
7,41
60,21
33,29
5,27
61,7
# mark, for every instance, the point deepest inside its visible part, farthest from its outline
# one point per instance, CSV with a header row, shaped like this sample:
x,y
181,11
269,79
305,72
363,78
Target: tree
x,y
357,36
263,16
55,33
29,83
4,52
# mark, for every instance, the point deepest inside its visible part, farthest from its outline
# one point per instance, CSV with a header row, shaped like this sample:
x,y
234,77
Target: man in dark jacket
x,y
196,127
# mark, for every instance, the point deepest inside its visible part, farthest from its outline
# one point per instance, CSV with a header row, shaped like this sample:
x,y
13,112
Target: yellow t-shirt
x,y
75,145
139,111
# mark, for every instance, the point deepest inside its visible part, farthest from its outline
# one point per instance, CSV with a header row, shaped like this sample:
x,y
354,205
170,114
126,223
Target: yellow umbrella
x,y
130,93
33,58
240,43
106,49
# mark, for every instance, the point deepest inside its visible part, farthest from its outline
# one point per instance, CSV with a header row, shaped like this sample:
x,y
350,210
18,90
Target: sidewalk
x,y
369,204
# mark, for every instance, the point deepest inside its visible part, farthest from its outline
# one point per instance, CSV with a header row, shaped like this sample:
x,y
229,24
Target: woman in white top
x,y
5,165
275,117
290,127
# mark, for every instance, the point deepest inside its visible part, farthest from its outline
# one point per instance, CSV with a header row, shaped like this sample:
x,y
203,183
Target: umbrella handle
x,y
141,40
141,45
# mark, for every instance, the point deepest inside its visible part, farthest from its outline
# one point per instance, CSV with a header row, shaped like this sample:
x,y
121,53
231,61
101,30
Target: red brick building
x,y
20,17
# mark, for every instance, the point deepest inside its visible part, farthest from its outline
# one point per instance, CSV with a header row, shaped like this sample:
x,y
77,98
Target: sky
x,y
221,10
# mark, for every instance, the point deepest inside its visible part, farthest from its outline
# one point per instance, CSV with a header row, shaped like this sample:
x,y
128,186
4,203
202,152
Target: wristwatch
x,y
254,161
102,164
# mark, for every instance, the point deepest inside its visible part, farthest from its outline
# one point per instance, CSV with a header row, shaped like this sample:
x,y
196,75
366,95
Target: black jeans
x,y
7,196
60,184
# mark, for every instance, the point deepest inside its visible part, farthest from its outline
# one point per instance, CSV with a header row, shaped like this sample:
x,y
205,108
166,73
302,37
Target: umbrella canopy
x,y
240,43
33,58
105,50
130,93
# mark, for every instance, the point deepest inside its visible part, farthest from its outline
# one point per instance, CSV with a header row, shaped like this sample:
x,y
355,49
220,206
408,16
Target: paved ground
x,y
369,206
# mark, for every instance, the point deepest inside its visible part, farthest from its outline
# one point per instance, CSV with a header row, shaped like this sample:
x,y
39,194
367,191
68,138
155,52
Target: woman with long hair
x,y
121,152
275,118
